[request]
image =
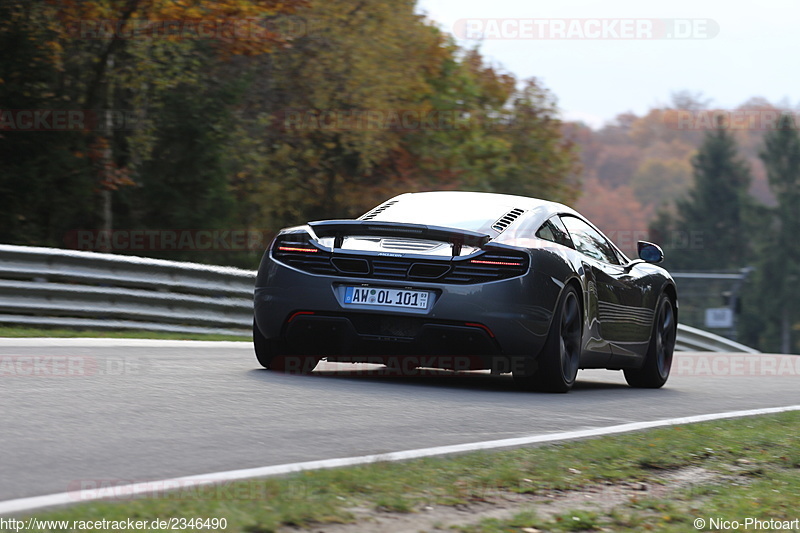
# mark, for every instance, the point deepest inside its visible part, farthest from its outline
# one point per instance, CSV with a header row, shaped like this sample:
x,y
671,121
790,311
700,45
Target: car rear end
x,y
425,295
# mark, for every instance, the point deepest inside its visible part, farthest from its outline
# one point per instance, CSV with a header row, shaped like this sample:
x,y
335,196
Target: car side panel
x,y
564,265
649,282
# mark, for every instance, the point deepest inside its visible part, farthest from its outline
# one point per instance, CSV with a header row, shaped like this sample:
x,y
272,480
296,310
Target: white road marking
x,y
64,498
90,342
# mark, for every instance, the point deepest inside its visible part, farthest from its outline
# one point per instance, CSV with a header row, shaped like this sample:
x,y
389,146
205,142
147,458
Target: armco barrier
x,y
53,287
696,340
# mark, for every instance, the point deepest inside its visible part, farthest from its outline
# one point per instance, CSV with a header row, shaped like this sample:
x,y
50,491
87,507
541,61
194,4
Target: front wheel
x,y
557,366
658,361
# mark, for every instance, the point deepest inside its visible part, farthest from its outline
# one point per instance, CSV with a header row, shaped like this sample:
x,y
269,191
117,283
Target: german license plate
x,y
386,297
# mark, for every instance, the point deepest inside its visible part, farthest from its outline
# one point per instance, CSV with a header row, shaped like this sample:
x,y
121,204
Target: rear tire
x,y
273,355
657,363
556,367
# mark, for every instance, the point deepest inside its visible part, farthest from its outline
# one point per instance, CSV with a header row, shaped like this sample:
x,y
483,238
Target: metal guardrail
x,y
52,287
65,288
697,340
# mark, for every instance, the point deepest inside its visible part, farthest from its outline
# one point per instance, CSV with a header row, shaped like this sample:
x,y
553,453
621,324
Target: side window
x,y
561,232
589,241
546,232
554,231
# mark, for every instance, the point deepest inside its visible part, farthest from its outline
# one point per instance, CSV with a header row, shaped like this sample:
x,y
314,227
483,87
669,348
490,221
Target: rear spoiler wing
x,y
339,229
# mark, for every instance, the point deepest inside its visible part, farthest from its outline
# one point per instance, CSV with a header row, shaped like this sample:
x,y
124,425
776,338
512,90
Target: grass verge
x,y
13,331
755,464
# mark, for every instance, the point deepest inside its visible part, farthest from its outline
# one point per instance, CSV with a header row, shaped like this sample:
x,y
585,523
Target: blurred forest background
x,y
195,108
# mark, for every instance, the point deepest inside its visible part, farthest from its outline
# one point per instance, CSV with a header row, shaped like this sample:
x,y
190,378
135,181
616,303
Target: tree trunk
x,y
108,225
786,331
108,125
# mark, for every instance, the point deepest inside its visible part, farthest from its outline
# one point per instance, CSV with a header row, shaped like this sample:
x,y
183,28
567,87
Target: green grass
x,y
13,331
761,455
774,496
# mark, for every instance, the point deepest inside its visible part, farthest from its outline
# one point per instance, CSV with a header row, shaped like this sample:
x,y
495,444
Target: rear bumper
x,y
481,322
361,337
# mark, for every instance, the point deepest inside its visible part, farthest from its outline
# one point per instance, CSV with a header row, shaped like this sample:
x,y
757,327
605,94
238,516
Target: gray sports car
x,y
466,281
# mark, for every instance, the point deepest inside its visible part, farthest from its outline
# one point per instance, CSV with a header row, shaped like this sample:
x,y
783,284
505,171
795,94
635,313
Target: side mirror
x,y
650,252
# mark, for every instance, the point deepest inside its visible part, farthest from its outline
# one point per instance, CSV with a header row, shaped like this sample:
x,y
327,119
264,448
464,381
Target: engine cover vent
x,y
507,219
378,210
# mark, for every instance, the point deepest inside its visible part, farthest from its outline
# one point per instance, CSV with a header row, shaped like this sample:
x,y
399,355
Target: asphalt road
x,y
85,410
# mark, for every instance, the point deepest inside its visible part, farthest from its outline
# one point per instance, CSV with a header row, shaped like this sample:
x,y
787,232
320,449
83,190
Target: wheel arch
x,y
576,283
672,292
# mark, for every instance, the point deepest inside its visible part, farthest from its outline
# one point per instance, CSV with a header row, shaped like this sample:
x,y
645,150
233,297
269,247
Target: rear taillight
x,y
497,263
284,248
300,251
294,243
489,266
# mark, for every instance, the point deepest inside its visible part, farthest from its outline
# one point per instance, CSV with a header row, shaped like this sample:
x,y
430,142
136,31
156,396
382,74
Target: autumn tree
x,y
327,109
376,101
718,208
617,212
117,59
659,182
44,188
314,148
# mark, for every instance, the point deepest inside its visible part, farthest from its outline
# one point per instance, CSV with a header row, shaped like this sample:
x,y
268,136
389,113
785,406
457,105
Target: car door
x,y
597,350
623,322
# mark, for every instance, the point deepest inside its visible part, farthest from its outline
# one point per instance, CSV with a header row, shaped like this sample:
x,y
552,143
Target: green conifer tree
x,y
778,281
711,230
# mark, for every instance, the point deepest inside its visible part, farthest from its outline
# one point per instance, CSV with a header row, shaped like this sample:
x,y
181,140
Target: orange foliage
x,y
617,213
111,176
635,163
236,27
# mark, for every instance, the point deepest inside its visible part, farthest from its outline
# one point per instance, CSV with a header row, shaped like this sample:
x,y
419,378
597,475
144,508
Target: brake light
x,y
297,249
495,263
